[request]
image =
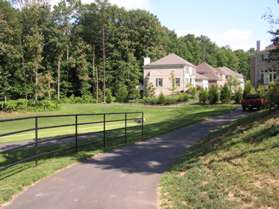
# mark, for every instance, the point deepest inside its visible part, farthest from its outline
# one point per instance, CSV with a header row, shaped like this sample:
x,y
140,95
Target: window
x,y
159,82
177,81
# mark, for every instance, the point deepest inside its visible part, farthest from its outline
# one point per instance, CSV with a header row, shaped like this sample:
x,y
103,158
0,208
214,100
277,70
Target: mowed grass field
x,y
158,120
235,167
174,116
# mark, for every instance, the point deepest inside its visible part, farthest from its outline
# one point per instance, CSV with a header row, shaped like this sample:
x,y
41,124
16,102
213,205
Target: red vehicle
x,y
253,101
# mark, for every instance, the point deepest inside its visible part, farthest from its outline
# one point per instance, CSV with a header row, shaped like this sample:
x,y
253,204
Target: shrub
x,y
203,96
122,93
109,98
248,89
22,104
225,94
161,99
273,93
238,96
213,95
192,91
262,91
86,99
183,97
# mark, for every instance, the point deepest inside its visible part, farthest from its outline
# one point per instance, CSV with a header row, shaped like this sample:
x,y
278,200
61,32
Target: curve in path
x,y
125,178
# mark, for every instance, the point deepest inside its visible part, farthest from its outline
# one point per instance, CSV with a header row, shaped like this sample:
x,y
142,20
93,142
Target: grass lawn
x,y
158,120
152,115
235,167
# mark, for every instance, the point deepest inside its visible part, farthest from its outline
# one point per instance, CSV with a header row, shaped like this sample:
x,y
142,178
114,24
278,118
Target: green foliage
x,y
166,100
44,51
238,96
161,99
109,98
273,94
28,105
122,93
203,96
248,89
262,91
149,89
213,95
225,95
192,91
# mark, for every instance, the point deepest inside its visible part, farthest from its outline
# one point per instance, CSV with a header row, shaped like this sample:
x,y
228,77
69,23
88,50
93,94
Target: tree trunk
x,y
97,85
104,63
49,90
58,78
36,85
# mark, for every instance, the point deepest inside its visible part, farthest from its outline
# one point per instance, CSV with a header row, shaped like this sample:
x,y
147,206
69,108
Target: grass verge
x,y
235,167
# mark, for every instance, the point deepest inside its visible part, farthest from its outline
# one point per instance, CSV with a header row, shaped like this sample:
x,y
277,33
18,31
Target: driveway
x,y
125,178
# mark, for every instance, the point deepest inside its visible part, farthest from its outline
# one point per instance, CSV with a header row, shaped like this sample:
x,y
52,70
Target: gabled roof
x,y
170,60
210,72
200,77
229,72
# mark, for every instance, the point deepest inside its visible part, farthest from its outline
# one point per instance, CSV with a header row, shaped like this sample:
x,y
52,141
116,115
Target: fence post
x,y
126,139
142,121
36,139
76,132
104,131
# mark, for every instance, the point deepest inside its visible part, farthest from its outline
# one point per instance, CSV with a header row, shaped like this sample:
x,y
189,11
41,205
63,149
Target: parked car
x,y
253,101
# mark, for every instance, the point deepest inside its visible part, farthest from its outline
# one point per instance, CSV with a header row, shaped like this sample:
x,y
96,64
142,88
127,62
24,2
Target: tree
x,y
122,93
203,96
225,94
149,89
213,94
248,89
173,82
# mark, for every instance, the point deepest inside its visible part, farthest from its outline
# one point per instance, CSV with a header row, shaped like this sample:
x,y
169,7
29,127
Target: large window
x,y
177,82
159,82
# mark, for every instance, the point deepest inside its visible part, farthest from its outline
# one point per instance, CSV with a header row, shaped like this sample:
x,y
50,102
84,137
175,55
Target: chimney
x,y
146,61
258,46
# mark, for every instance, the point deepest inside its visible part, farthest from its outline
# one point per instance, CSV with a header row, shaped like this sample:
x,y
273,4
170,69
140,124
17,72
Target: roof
x,y
229,72
210,72
200,77
170,60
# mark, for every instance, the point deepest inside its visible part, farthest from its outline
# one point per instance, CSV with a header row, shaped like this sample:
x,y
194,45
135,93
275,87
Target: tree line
x,y
96,49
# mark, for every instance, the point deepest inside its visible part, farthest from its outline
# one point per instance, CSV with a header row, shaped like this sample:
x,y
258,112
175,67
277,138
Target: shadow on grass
x,y
223,140
114,139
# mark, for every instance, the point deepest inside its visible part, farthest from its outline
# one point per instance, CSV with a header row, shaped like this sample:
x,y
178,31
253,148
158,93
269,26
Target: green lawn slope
x,y
235,167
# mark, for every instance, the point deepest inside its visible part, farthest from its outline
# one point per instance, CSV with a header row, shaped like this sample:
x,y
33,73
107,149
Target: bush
x,y
213,95
273,93
161,99
25,105
262,91
122,93
166,100
238,96
109,98
248,89
192,91
203,96
225,94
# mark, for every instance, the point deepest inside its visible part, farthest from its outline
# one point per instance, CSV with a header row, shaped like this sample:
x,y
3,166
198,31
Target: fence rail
x,y
34,145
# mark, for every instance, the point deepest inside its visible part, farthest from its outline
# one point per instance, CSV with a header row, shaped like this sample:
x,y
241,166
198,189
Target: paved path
x,y
125,178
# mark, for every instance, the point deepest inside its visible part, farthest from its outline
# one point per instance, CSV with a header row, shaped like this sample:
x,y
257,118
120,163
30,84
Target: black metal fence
x,y
32,150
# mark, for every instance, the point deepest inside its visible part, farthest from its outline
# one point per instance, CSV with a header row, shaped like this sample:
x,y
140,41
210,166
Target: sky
x,y
235,23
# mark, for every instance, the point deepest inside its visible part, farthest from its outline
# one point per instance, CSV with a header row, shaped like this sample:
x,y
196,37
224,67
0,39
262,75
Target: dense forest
x,y
90,49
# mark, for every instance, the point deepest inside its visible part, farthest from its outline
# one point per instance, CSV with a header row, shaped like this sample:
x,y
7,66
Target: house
x,y
169,74
201,81
231,75
214,76
263,72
